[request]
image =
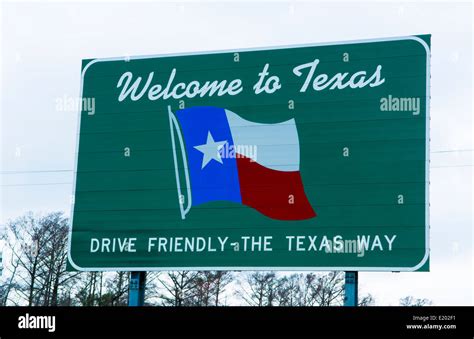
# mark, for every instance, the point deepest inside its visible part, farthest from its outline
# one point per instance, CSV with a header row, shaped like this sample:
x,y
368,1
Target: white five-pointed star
x,y
210,150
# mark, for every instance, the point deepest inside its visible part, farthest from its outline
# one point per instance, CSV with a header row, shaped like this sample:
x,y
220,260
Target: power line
x,y
70,170
35,171
27,172
452,151
70,183
38,184
451,166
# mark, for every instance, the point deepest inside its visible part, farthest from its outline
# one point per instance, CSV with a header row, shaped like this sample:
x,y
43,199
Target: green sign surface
x,y
309,157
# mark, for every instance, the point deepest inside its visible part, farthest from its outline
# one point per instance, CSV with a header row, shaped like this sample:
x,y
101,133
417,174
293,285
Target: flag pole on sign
x,y
175,127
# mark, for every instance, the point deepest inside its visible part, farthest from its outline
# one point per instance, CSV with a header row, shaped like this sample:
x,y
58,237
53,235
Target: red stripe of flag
x,y
277,194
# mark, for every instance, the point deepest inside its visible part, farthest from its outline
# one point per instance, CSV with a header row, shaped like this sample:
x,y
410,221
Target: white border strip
x,y
254,268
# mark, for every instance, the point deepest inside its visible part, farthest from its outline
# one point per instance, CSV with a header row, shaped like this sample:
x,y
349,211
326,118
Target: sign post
x,y
351,288
136,289
311,157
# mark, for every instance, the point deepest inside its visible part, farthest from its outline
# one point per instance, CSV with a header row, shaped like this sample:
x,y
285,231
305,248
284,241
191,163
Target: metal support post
x,y
136,289
351,296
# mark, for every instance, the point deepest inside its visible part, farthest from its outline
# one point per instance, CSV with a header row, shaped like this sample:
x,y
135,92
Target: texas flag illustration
x,y
228,158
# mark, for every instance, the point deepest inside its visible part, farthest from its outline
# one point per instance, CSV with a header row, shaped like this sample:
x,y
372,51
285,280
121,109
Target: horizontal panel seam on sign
x,y
299,124
357,141
173,188
233,208
278,104
318,166
335,142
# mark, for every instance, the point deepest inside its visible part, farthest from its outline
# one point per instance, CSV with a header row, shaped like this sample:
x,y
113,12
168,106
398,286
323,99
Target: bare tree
x,y
265,289
209,285
9,284
38,249
289,290
221,280
259,289
54,273
367,300
310,289
117,290
179,288
329,289
152,289
298,290
102,289
87,287
411,301
120,290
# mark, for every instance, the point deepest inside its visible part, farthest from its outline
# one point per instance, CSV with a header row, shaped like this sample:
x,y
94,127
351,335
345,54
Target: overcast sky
x,y
42,45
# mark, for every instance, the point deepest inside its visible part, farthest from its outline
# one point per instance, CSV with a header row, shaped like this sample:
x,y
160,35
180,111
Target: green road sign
x,y
309,157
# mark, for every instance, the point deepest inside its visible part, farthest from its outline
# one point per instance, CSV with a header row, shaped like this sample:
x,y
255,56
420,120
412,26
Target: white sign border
x,y
258,268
